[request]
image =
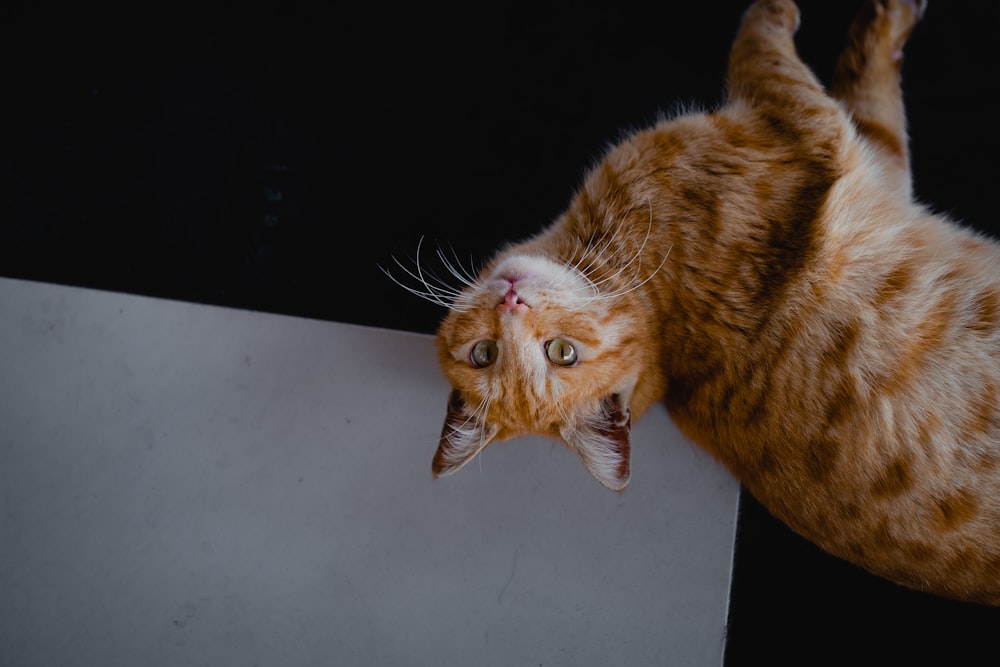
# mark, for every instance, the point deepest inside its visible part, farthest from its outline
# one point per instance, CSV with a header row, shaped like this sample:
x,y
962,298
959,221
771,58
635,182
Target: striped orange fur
x,y
764,270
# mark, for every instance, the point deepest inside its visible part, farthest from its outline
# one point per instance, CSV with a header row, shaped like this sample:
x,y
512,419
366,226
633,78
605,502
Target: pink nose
x,y
512,303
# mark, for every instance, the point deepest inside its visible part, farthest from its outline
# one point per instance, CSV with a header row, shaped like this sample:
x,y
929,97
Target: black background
x,y
274,157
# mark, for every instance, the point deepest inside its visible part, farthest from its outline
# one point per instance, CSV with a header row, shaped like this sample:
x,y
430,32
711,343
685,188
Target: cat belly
x,y
941,544
921,511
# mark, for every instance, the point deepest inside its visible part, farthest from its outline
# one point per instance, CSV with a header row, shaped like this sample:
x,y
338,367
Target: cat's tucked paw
x,y
783,13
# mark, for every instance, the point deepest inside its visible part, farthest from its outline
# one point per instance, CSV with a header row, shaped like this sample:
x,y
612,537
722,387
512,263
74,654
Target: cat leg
x,y
867,79
766,73
799,130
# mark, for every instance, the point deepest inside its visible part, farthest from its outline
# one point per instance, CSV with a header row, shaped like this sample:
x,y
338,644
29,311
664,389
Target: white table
x,y
193,485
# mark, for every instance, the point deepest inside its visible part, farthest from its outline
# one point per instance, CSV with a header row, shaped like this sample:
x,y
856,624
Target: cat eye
x,y
560,352
484,353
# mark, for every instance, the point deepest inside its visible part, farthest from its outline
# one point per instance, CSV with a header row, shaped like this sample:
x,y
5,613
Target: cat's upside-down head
x,y
541,346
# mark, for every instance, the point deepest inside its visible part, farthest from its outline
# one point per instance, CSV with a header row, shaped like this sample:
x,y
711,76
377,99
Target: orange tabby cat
x,y
764,270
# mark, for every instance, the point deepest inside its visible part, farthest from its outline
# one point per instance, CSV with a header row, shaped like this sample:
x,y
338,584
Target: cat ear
x,y
463,436
602,442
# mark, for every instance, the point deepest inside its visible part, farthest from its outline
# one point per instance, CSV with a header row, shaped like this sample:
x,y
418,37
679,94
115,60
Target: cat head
x,y
535,346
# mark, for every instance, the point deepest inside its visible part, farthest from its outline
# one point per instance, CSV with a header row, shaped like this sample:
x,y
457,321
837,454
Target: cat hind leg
x,y
763,57
790,106
867,79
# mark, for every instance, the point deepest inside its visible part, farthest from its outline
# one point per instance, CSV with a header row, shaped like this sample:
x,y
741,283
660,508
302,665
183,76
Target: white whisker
x,y
428,295
614,295
593,288
442,289
483,410
456,269
636,256
431,286
594,254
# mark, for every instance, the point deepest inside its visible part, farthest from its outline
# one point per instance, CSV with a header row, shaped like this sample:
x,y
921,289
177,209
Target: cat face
x,y
532,347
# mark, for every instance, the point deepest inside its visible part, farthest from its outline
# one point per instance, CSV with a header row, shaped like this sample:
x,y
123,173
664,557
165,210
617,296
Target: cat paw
x,y
783,13
900,17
